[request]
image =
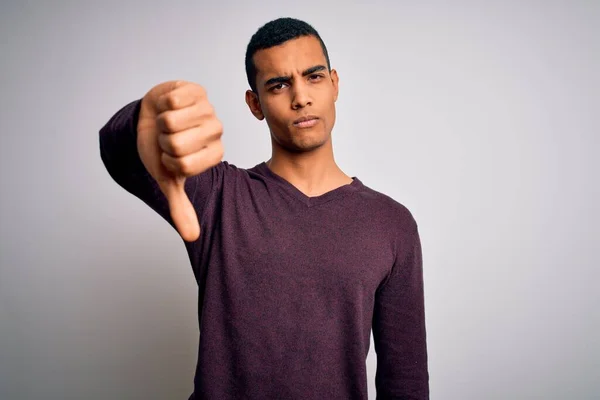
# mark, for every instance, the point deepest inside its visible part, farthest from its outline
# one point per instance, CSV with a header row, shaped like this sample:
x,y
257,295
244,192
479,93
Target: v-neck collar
x,y
309,201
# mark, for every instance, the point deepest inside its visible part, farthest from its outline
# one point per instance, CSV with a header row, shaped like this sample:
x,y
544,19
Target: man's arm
x,y
166,149
119,153
399,326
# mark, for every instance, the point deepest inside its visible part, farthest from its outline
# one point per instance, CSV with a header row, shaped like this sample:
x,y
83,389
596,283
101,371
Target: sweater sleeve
x,y
118,150
399,332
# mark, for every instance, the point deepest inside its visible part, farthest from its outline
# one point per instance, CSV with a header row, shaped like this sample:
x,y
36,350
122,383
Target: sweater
x,y
290,287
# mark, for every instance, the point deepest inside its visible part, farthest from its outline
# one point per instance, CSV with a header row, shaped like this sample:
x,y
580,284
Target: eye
x,y
315,77
277,87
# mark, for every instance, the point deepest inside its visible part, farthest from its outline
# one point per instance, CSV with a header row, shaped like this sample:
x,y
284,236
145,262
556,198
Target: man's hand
x,y
179,136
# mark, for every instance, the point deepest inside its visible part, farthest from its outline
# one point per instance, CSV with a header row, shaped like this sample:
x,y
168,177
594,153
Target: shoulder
x,y
396,214
224,170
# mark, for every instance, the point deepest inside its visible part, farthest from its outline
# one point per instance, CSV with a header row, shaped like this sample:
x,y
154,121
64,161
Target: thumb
x,y
182,210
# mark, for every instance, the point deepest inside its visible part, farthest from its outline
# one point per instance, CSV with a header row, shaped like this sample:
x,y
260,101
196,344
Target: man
x,y
295,261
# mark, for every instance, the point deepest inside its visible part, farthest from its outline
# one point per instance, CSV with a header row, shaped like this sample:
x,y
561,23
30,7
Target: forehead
x,y
292,56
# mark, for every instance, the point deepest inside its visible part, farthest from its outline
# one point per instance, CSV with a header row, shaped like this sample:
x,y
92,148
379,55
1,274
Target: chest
x,y
320,249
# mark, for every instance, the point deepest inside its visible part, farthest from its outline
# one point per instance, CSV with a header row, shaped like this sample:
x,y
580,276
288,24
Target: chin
x,y
308,143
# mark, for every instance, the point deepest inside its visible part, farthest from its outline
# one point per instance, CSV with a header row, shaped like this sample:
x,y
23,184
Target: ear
x,y
254,105
335,81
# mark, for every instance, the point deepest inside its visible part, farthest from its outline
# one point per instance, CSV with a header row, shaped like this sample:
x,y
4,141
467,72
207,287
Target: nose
x,y
301,97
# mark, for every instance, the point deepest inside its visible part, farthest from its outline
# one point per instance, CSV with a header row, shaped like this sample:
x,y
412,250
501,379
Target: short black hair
x,y
274,33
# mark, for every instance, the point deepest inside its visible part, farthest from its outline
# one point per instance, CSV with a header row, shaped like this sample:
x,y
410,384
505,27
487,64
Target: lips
x,y
306,121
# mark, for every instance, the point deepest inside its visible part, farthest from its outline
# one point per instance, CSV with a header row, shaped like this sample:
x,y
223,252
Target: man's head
x,y
273,34
291,78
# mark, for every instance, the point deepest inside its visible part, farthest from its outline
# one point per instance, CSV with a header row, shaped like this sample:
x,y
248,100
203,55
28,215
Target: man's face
x,y
296,93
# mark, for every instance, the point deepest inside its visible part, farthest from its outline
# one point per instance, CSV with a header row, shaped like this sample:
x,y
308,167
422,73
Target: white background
x,y
480,117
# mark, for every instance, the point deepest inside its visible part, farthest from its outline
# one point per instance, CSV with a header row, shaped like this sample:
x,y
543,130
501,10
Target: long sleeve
x,y
399,333
118,150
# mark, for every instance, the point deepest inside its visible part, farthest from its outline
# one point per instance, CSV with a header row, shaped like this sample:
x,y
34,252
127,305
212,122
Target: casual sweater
x,y
290,286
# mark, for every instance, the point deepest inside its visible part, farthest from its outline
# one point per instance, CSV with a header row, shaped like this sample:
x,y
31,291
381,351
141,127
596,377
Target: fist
x,y
178,136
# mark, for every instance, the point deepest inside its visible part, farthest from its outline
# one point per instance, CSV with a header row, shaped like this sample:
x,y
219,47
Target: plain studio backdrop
x,y
480,117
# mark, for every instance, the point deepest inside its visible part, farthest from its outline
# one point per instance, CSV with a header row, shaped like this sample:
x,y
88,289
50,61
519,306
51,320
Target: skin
x,y
291,84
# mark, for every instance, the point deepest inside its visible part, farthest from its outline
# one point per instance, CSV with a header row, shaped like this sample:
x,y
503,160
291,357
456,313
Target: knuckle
x,y
163,143
168,162
176,147
218,152
172,100
210,109
160,122
218,128
169,121
170,145
205,110
200,90
185,166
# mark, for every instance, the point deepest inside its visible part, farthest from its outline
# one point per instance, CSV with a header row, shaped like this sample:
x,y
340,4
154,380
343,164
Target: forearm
x,y
399,328
118,148
119,153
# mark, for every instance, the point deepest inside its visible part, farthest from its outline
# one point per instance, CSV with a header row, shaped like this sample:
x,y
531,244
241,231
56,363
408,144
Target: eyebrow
x,y
285,79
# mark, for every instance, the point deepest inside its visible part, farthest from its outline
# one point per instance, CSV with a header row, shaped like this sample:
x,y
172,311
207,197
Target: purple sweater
x,y
290,286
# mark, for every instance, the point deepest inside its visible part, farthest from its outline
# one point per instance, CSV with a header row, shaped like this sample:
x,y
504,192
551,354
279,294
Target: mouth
x,y
306,121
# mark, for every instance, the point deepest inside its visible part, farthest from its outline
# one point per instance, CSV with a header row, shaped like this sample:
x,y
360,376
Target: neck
x,y
313,173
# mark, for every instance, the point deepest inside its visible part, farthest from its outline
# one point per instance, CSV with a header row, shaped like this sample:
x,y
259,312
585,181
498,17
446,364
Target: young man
x,y
295,261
